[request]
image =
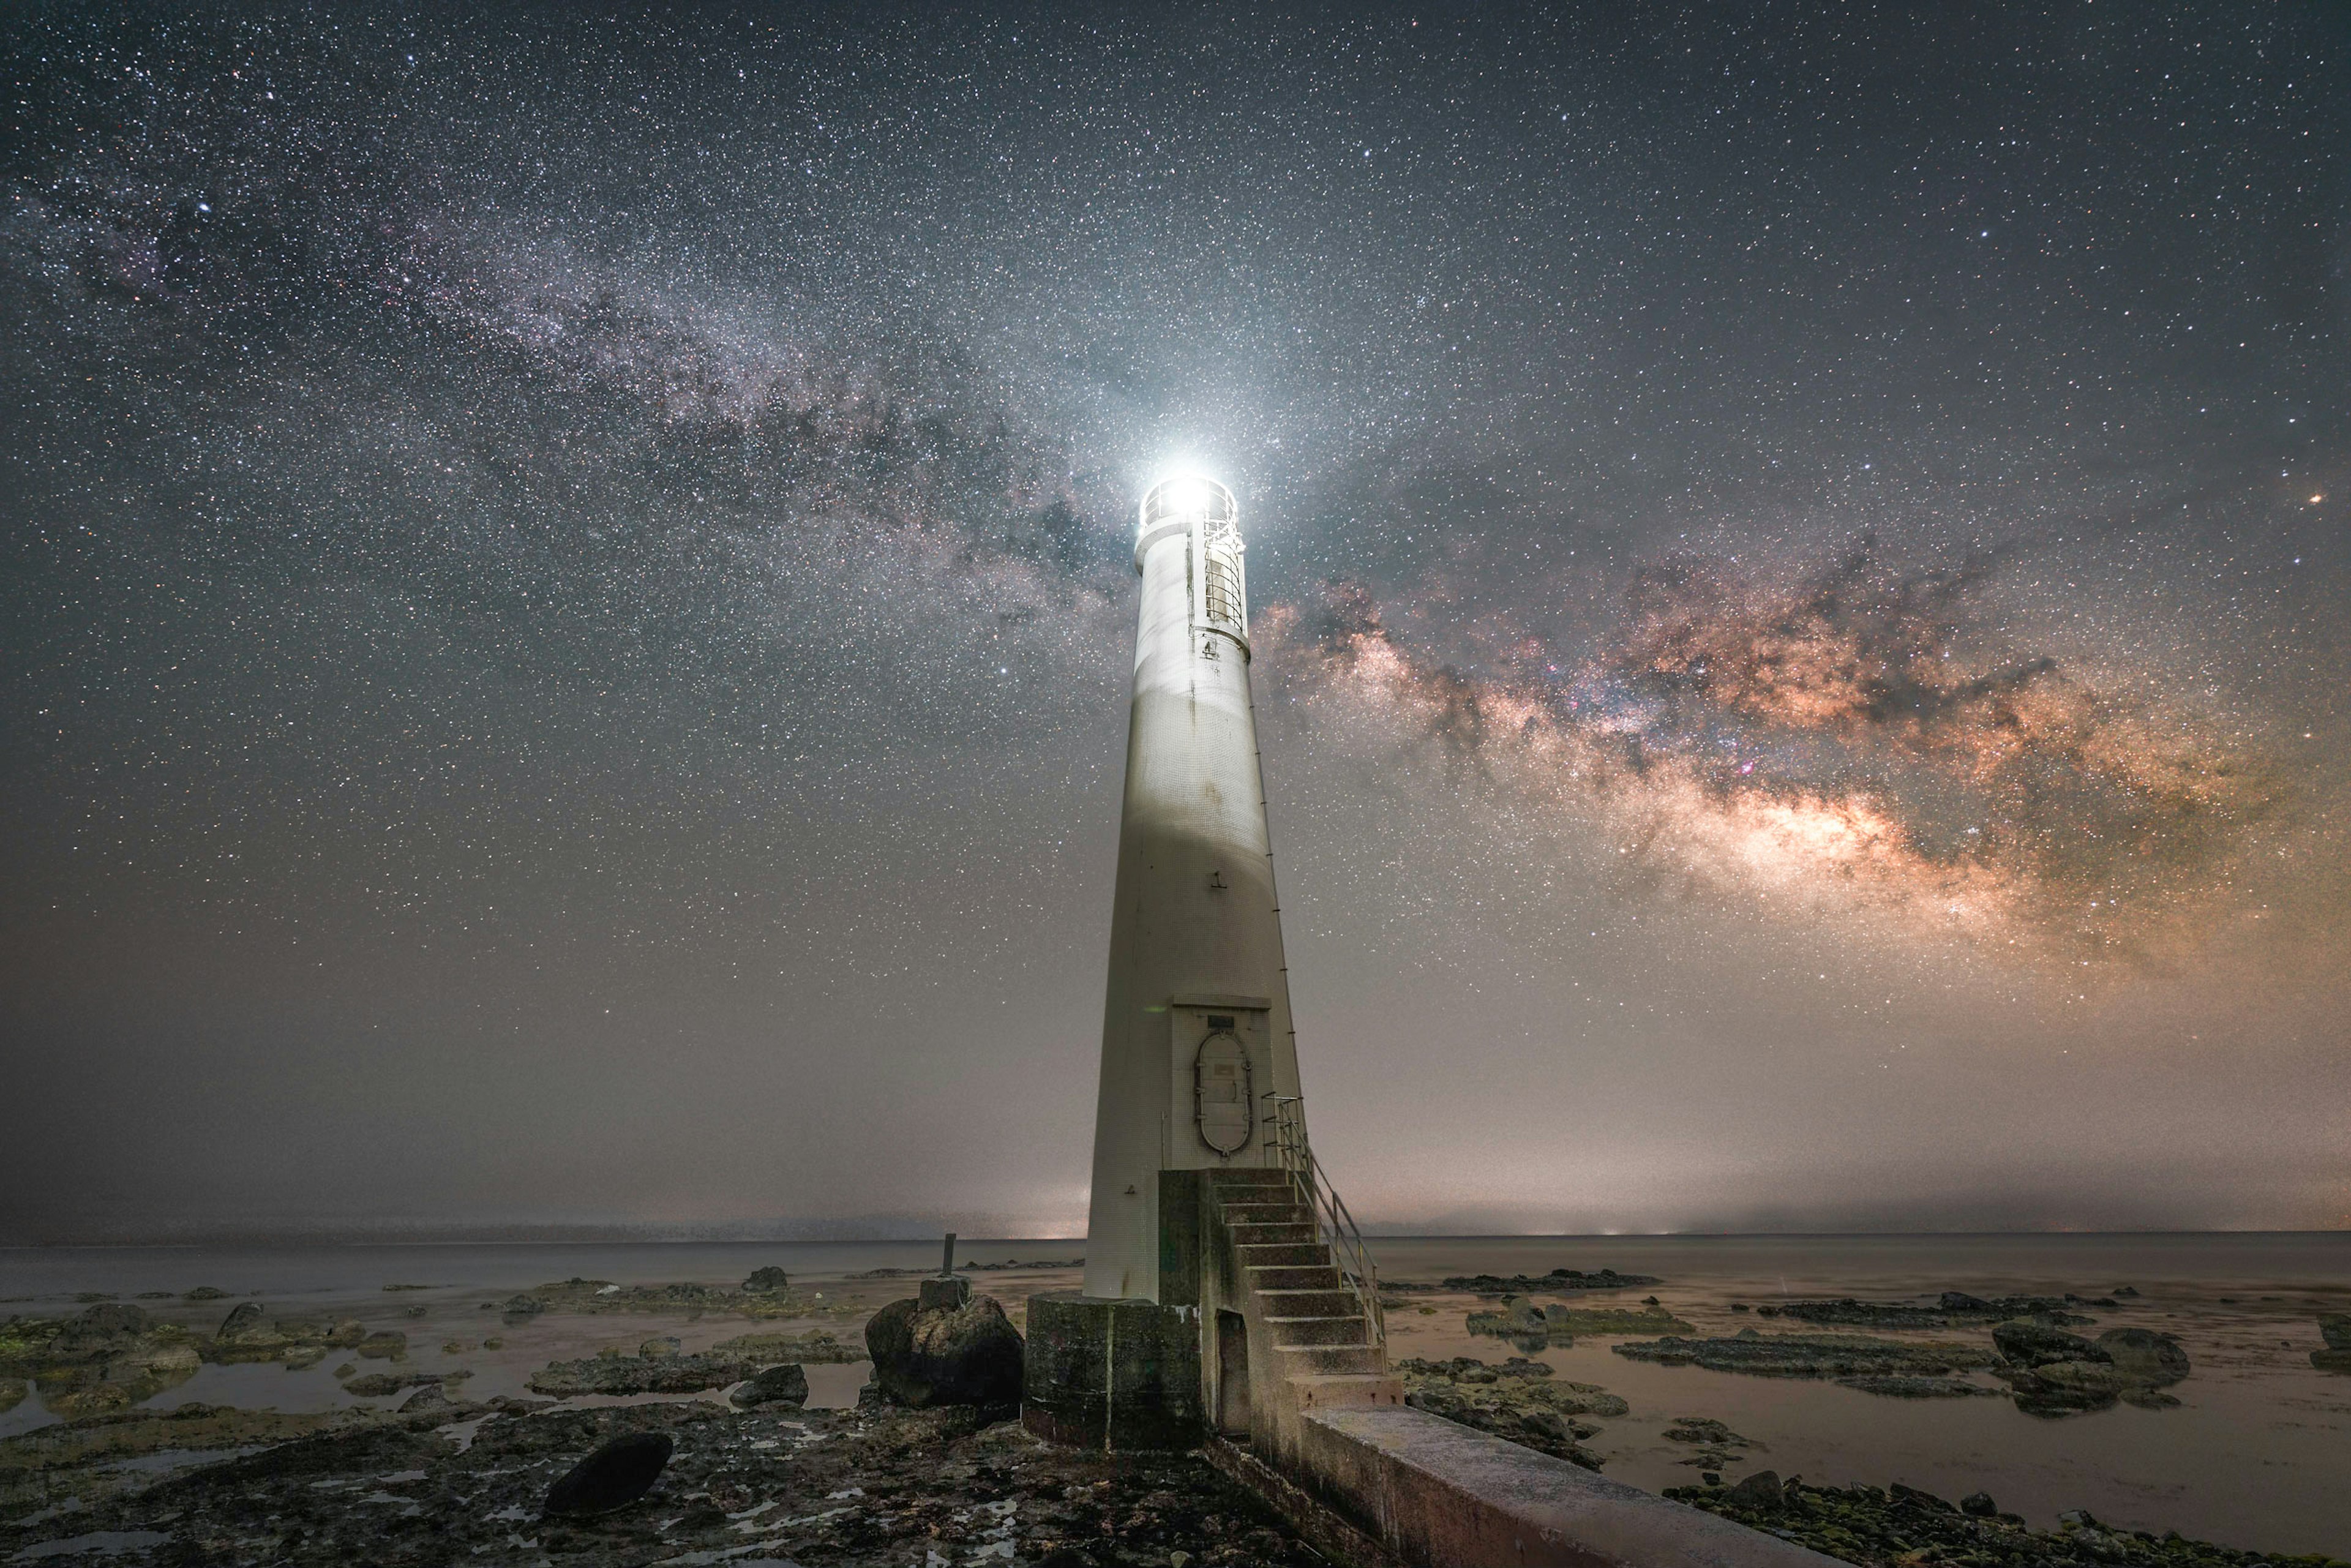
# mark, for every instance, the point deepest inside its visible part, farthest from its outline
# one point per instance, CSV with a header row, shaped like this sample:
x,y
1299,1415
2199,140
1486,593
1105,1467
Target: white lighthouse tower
x,y
1226,1289
1196,1027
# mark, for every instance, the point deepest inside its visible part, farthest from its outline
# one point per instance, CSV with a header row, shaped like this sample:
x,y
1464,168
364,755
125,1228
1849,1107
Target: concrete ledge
x,y
1435,1492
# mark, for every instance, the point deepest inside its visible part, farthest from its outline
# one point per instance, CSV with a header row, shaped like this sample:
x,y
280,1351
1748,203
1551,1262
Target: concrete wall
x,y
1429,1491
1110,1375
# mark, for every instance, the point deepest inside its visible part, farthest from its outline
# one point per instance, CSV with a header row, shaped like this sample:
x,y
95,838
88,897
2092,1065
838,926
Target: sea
x,y
2257,1454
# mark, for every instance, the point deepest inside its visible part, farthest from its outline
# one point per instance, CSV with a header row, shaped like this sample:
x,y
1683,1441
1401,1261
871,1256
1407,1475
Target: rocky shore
x,y
469,1484
1899,1526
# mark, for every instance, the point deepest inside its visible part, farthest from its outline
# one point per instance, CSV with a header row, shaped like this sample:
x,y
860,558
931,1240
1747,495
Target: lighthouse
x,y
1227,1290
1196,1020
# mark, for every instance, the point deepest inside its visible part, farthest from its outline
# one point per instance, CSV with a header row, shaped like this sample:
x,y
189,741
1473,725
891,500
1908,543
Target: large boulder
x,y
961,1355
765,1281
2334,1328
613,1477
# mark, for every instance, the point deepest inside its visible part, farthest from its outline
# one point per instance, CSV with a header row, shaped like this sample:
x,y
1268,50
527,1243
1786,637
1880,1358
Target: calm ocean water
x,y
2258,1454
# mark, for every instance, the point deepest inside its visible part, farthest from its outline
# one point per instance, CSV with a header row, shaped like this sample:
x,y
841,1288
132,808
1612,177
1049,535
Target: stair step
x,y
1254,1232
1317,1389
1330,1358
1294,1303
1260,1254
1349,1329
1321,1276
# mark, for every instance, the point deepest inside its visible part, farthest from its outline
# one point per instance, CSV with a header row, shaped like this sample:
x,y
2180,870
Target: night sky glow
x,y
566,622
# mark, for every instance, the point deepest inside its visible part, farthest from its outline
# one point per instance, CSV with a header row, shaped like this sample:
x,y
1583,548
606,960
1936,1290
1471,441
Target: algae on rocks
x,y
1518,1401
1856,1361
1519,1317
1901,1525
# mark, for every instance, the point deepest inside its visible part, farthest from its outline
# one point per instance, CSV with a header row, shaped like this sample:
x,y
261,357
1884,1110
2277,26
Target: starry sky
x,y
564,625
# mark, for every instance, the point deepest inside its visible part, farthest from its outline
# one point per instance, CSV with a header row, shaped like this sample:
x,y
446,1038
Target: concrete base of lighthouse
x,y
1112,1374
1122,1372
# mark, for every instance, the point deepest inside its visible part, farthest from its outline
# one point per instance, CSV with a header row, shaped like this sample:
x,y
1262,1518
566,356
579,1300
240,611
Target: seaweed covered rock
x,y
814,1348
2126,1365
1519,1318
1951,1309
1874,1525
1522,1284
96,1332
664,1374
969,1354
1841,1357
765,1281
2024,1344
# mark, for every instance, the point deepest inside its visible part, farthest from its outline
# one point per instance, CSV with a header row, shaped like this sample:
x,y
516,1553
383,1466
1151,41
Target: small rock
x,y
2334,1328
2145,1355
205,1294
2026,1343
1760,1490
347,1368
388,1344
431,1397
494,1345
1978,1504
411,1312
785,1384
522,1306
454,1347
1179,1560
661,1344
1711,1478
243,1320
95,1332
613,1477
765,1281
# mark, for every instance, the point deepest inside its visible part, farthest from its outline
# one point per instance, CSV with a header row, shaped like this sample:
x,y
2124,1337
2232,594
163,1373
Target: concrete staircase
x,y
1324,1347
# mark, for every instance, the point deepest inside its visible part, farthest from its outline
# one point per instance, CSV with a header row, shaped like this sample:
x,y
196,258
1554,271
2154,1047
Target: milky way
x,y
1820,738
567,606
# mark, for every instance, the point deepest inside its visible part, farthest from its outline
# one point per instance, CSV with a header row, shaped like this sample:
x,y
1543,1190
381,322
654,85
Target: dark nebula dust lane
x,y
566,623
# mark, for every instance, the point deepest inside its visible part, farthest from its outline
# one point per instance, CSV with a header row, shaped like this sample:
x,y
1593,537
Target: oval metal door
x,y
1221,1097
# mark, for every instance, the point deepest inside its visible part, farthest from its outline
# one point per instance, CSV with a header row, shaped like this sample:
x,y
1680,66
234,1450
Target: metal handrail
x,y
1333,1220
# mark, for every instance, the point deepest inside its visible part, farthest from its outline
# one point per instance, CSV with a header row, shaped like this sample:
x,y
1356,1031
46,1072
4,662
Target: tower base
x,y
1105,1373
